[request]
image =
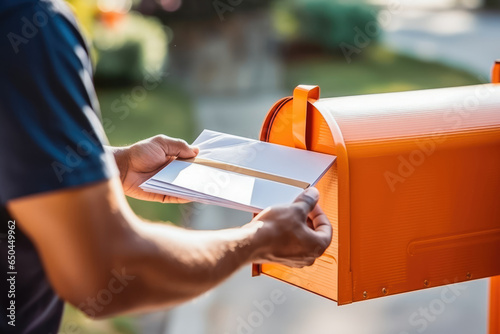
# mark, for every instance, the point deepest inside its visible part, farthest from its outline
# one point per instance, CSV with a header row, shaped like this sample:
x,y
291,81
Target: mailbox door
x,y
323,276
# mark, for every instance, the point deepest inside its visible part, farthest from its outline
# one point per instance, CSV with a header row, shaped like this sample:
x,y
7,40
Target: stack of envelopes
x,y
240,173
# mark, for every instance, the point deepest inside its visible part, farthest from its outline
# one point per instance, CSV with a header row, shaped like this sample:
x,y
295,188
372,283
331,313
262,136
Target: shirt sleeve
x,y
50,131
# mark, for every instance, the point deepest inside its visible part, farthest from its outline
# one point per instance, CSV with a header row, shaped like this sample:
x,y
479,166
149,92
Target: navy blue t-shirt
x,y
50,138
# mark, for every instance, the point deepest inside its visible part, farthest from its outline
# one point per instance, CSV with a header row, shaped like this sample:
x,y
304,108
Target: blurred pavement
x,y
467,40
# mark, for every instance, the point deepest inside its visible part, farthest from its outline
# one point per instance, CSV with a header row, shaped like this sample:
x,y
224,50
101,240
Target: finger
x,y
307,199
177,147
174,200
322,226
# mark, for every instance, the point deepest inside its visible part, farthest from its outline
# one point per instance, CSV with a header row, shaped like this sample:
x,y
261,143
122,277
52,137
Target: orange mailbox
x,y
414,196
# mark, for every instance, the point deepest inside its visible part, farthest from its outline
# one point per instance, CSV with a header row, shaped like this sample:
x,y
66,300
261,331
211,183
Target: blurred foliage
x,y
196,10
377,70
130,48
126,44
324,23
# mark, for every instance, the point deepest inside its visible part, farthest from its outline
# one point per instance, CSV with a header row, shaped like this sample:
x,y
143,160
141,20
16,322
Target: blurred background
x,y
179,66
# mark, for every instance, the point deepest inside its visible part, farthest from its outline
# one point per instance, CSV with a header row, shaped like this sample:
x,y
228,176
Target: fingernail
x,y
312,192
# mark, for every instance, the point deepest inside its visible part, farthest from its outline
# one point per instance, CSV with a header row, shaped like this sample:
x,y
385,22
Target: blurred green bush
x,y
130,49
327,24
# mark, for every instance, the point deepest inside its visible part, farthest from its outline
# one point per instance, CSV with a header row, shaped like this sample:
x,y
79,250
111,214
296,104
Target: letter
x,y
12,323
427,146
392,179
438,136
72,158
211,189
457,289
123,109
220,7
153,83
89,312
348,50
70,327
108,125
123,278
40,23
384,17
101,294
139,93
255,319
235,3
28,30
84,147
92,303
417,322
60,169
243,325
16,40
425,313
440,309
265,307
277,297
489,90
112,288
405,169
127,99
452,116
470,103
395,6
372,29
446,299
91,137
416,158
361,40
220,178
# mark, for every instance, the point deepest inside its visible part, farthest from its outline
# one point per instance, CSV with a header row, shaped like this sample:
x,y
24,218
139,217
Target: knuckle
x,y
159,138
179,143
298,211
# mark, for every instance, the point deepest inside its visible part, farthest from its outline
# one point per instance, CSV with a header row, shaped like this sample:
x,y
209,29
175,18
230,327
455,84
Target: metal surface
x,y
414,197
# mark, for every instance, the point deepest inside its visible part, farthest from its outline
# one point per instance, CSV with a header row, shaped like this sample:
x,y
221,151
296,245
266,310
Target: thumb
x,y
177,147
308,199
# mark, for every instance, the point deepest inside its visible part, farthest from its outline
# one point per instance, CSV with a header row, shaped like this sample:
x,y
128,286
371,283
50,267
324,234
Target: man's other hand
x,y
293,235
140,161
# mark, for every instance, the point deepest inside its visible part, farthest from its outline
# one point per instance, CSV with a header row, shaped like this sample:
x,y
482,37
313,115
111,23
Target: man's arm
x,y
89,241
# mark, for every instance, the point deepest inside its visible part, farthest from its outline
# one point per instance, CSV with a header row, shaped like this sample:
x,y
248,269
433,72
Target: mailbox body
x,y
414,196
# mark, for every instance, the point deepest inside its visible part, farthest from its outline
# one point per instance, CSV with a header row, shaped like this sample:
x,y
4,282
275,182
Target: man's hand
x,y
142,160
293,235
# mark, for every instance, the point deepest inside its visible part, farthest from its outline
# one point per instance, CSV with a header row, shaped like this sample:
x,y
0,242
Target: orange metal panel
x,y
414,197
494,312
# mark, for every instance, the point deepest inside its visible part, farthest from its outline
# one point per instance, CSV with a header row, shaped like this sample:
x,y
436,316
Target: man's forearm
x,y
171,265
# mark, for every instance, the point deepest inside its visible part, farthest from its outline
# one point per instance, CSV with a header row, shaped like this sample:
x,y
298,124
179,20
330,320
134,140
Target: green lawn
x,y
377,70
